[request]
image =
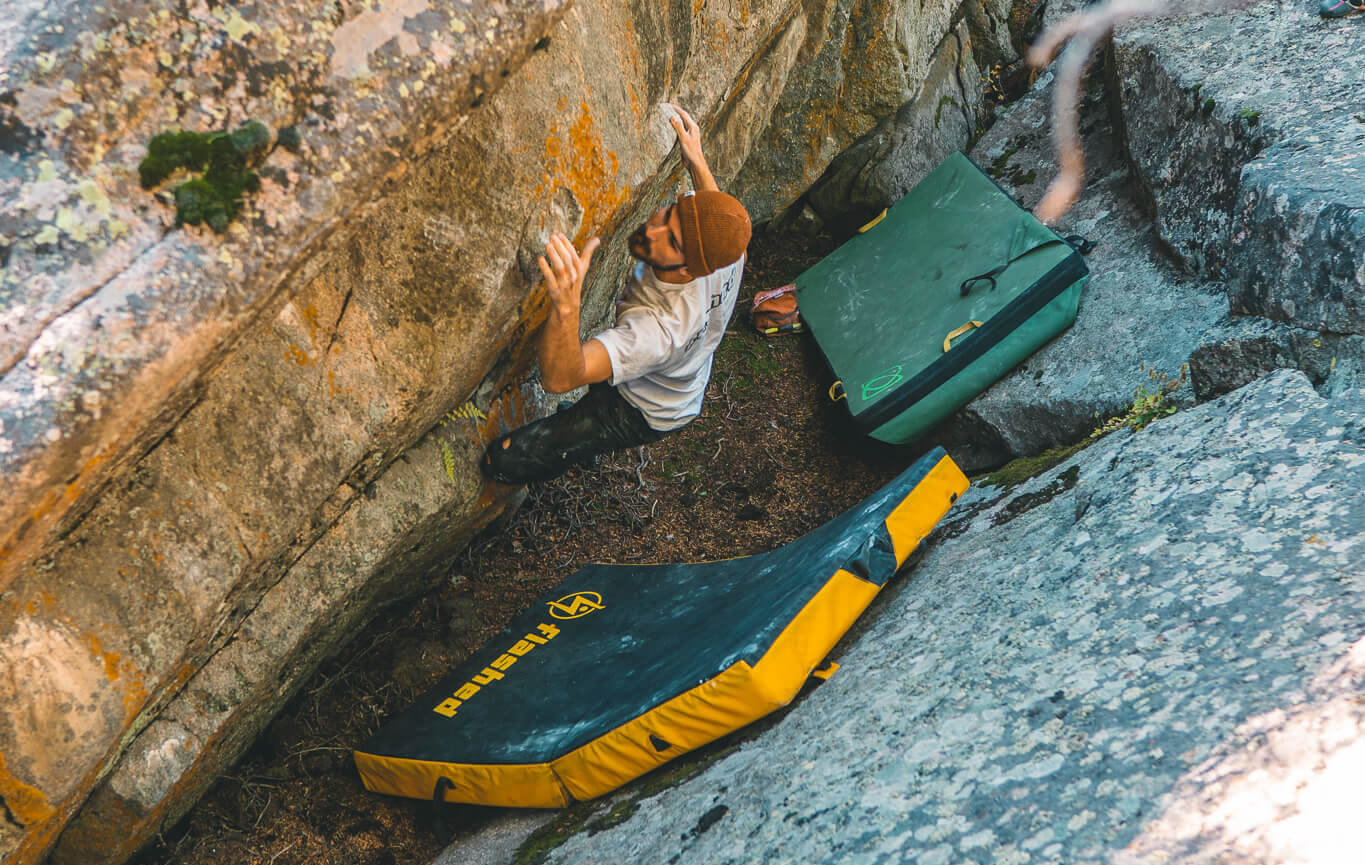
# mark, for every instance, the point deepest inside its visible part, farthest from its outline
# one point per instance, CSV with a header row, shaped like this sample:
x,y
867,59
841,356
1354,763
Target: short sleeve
x,y
637,346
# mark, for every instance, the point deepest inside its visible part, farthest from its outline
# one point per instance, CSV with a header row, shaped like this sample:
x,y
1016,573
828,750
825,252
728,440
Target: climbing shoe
x,y
1340,8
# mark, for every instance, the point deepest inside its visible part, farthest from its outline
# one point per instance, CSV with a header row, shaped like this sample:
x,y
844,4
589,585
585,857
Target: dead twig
x,y
639,469
269,797
282,852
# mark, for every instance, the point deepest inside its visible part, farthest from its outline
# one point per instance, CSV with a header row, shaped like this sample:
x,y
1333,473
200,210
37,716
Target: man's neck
x,y
672,277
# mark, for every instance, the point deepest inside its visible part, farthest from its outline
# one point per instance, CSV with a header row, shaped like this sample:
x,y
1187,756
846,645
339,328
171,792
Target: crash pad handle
x,y
438,797
837,386
824,672
948,340
878,218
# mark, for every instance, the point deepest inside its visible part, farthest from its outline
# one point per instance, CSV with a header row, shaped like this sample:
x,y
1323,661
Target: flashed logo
x,y
575,605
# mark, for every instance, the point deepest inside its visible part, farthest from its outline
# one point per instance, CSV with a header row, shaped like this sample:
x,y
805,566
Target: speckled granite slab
x,y
1152,653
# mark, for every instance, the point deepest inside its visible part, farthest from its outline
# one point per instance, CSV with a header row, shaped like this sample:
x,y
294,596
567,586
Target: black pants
x,y
601,422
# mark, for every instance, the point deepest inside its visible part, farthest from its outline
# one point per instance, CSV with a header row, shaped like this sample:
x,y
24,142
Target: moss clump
x,y
1251,117
197,202
226,160
290,139
938,113
619,814
171,151
1209,105
1023,468
1147,406
1001,163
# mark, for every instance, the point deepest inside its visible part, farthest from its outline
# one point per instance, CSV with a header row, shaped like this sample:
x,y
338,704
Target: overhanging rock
x,y
225,449
1151,653
107,320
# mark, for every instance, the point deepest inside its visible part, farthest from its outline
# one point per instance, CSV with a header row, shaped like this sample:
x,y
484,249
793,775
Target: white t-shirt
x,y
664,338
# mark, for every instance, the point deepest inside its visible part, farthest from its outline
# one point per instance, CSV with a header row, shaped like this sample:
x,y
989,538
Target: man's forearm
x,y
701,176
562,367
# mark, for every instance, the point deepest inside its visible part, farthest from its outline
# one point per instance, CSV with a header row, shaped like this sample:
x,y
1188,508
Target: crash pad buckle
x,y
1081,244
839,386
948,340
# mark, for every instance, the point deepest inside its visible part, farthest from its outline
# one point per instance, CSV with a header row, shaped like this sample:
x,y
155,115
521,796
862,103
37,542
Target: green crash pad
x,y
623,667
882,305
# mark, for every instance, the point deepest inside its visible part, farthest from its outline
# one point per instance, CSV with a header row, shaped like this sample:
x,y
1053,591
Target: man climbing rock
x,y
648,374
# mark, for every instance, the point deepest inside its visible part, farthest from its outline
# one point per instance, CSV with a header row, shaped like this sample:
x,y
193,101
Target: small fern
x,y
447,459
1147,405
468,411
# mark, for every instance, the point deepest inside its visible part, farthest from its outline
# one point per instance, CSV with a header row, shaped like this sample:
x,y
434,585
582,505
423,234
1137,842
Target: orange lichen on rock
x,y
26,804
54,502
111,659
579,162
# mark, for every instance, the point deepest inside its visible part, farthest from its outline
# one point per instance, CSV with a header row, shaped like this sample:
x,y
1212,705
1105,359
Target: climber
x,y
648,374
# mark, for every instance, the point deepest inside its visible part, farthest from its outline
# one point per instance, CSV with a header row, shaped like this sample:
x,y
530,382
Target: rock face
x,y
1254,168
225,449
886,163
1255,176
1151,653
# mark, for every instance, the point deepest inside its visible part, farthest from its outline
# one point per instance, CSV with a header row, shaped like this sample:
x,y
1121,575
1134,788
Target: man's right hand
x,y
564,270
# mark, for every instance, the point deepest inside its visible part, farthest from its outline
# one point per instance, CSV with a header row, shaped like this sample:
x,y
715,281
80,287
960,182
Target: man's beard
x,y
637,242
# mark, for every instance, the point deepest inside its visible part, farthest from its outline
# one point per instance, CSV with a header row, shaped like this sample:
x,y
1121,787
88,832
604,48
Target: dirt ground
x,y
769,459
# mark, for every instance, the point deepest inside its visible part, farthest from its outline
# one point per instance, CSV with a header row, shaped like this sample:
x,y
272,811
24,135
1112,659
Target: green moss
x,y
1209,105
1251,117
579,817
251,140
938,112
197,202
224,158
290,139
170,151
1020,470
1147,406
1001,163
545,839
619,814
